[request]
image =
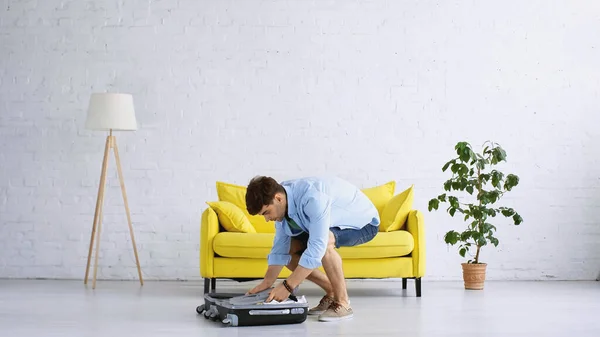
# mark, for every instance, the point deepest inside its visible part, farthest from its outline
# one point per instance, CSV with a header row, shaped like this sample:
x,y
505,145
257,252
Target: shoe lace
x,y
335,306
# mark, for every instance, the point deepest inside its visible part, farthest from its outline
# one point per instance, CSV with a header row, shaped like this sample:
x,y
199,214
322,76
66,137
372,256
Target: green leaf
x,y
464,170
477,213
452,210
462,251
498,155
501,154
466,235
448,185
465,155
453,201
470,189
451,237
511,181
497,179
473,157
517,219
507,212
442,197
493,240
485,177
479,239
460,146
445,167
433,204
489,197
464,182
488,227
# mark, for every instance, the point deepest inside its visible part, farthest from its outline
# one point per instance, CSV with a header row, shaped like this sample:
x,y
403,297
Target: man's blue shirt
x,y
316,204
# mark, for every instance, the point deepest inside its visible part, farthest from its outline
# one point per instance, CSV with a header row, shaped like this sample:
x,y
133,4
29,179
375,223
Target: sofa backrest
x,y
381,196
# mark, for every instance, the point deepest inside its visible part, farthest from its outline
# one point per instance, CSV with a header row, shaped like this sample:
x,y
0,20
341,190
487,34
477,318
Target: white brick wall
x,y
224,90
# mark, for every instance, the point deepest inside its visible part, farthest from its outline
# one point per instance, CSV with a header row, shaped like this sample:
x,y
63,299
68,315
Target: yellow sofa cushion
x,y
258,245
380,195
236,194
231,217
396,211
384,244
235,267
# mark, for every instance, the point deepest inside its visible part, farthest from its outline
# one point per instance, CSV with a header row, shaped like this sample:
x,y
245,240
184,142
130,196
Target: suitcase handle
x,y
269,312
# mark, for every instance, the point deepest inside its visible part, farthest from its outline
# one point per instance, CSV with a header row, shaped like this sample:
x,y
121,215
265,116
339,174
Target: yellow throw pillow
x,y
380,195
236,195
231,217
396,211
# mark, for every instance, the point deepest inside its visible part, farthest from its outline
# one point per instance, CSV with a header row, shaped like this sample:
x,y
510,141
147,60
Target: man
x,y
313,216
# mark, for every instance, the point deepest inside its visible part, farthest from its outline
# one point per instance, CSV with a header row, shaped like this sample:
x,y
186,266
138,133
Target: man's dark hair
x,y
261,191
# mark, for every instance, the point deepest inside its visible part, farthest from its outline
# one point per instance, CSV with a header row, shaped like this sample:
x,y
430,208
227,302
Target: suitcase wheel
x,y
211,313
230,320
200,309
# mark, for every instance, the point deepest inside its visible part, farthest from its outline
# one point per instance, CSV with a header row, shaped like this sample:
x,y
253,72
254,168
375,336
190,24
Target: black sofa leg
x,y
418,286
403,283
213,284
206,285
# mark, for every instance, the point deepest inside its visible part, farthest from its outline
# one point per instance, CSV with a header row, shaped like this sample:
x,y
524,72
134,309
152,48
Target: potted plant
x,y
474,174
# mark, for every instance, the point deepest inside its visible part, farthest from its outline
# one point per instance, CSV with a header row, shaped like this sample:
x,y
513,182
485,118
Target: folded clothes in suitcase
x,y
247,310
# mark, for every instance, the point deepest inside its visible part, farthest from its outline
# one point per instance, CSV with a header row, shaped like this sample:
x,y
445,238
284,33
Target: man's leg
x,y
316,276
332,263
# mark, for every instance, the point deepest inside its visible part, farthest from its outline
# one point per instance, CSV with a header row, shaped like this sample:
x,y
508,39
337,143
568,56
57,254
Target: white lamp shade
x,y
108,111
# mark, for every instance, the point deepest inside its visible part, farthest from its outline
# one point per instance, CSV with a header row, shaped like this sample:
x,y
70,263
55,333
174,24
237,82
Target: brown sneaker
x,y
323,305
336,312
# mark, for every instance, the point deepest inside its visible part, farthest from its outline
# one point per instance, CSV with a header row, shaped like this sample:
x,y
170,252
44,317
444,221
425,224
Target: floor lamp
x,y
108,112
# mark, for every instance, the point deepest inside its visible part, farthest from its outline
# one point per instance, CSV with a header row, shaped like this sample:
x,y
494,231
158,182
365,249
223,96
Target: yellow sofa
x,y
235,245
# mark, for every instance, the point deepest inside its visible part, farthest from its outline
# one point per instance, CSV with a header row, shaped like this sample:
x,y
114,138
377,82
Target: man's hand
x,y
279,293
260,287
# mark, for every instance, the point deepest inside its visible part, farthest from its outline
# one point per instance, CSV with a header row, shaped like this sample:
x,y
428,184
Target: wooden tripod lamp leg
x,y
122,182
99,200
98,243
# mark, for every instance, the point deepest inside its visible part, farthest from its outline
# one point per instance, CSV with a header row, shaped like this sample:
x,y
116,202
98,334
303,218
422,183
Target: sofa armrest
x,y
415,225
209,228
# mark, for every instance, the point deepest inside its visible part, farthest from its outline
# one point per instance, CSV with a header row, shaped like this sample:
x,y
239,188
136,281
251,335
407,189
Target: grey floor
x,y
68,308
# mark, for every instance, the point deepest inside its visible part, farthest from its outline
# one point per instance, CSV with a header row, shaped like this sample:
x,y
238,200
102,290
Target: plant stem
x,y
479,188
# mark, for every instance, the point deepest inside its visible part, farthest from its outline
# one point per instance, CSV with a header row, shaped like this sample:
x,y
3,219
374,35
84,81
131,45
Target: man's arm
x,y
298,275
318,211
270,278
271,275
280,252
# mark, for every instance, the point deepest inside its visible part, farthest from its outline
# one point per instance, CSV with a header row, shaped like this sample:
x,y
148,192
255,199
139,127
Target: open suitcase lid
x,y
258,300
250,299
